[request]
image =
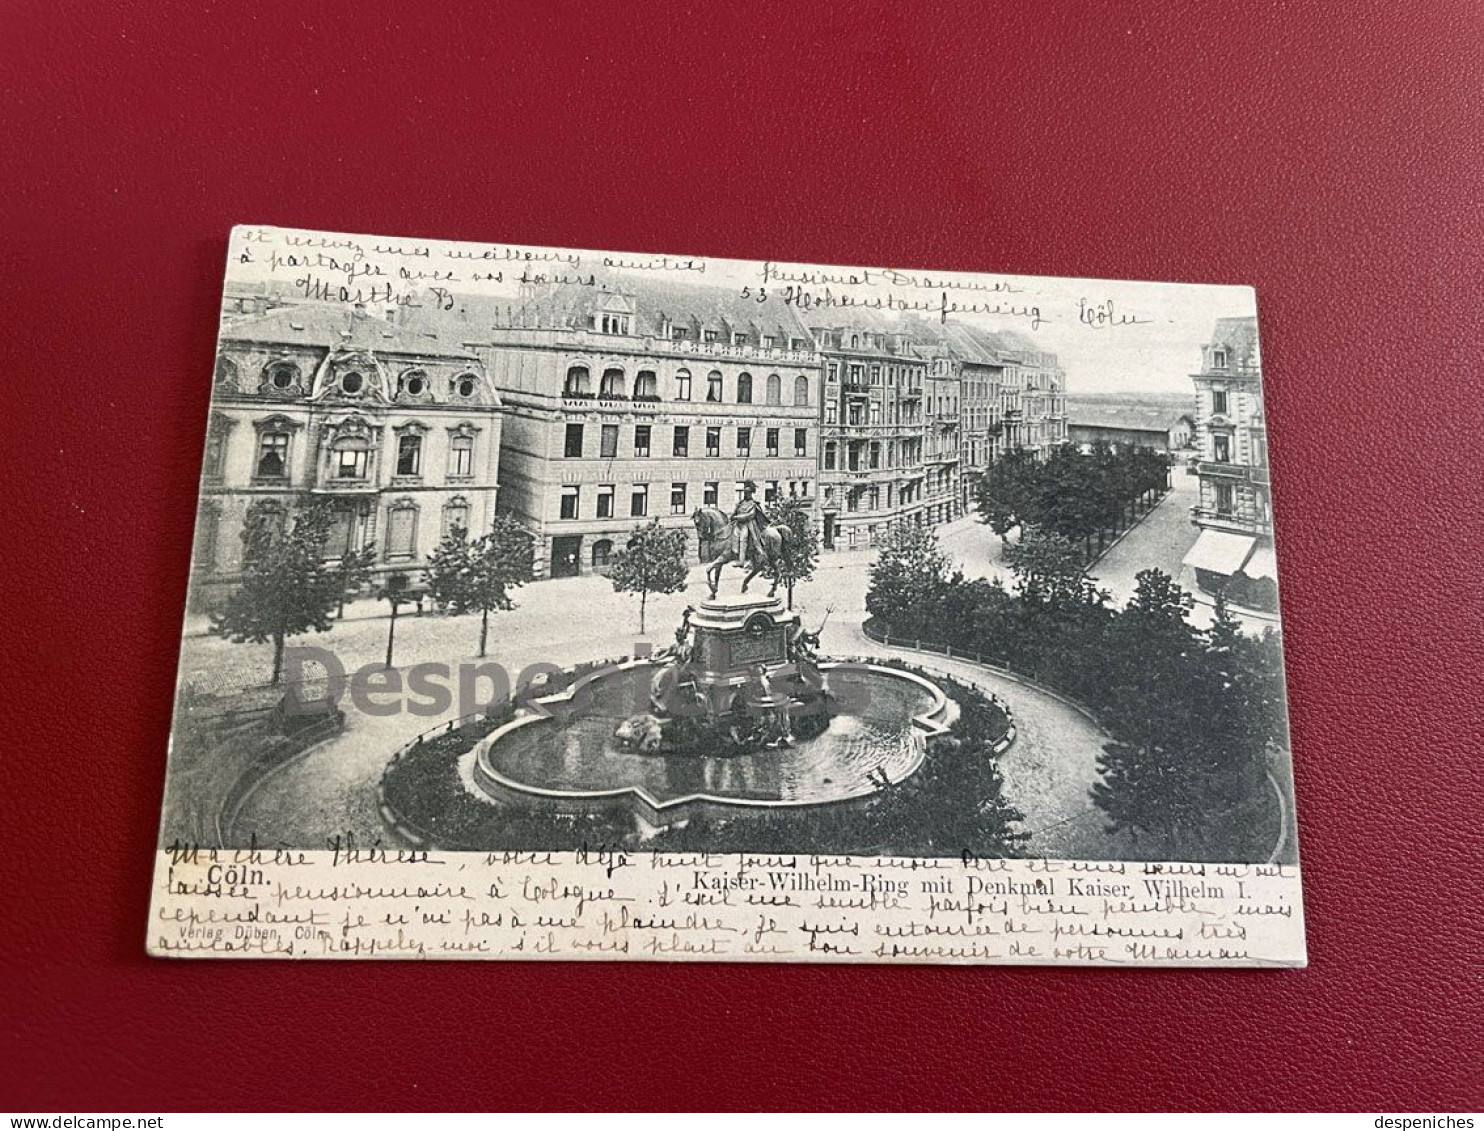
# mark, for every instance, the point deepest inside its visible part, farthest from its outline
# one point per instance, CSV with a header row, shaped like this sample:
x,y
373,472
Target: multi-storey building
x,y
1033,401
398,432
967,357
639,398
942,441
1233,553
872,471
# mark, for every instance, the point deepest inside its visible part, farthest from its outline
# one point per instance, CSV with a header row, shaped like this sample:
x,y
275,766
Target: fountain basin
x,y
564,755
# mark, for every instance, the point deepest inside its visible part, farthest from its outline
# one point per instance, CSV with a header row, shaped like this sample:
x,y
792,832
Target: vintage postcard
x,y
589,605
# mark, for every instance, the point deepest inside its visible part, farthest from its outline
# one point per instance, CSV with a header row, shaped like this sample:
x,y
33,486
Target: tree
x,y
907,579
653,561
800,552
1050,570
1006,492
287,587
394,592
477,575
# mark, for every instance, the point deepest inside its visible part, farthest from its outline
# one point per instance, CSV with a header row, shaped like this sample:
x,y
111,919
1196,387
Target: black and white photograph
x,y
532,553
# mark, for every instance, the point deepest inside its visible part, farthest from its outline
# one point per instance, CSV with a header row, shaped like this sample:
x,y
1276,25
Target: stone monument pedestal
x,y
735,633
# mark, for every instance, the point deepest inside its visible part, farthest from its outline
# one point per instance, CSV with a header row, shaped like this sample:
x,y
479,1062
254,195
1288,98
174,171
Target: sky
x,y
1110,336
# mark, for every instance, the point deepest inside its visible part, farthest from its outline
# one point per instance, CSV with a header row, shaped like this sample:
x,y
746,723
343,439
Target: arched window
x,y
577,382
682,385
602,548
773,391
744,388
801,390
612,385
713,387
281,375
645,387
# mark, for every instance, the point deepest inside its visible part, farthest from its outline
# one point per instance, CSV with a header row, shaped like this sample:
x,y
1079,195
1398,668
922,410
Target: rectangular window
x,y
875,374
409,455
829,456
744,441
1224,498
832,371
569,502
1222,448
681,445
401,534
770,493
801,441
273,455
573,448
771,437
677,498
1218,402
1218,359
710,494
713,442
351,463
831,411
639,501
875,454
608,441
641,439
804,487
856,372
461,457
605,501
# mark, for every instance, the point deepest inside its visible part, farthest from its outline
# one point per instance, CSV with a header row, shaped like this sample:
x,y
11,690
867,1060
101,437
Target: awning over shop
x,y
1220,552
1262,563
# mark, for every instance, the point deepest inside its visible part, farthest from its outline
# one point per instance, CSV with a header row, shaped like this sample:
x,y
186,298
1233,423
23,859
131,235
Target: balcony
x,y
1213,469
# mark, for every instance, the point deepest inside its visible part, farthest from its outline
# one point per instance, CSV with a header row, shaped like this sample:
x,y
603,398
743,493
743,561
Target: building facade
x,y
397,432
1117,426
639,399
1234,551
1033,395
873,471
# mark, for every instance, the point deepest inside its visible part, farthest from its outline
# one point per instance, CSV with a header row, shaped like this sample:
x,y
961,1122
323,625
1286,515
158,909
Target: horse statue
x,y
744,537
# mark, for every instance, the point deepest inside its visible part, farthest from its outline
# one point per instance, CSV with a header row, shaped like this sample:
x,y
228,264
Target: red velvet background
x,y
1328,153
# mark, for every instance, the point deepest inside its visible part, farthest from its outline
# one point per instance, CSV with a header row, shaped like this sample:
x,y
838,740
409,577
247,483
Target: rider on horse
x,y
749,521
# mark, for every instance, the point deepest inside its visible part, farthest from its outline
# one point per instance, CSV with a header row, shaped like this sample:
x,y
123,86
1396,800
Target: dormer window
x,y
282,375
465,386
613,323
1218,359
226,372
709,336
413,383
352,382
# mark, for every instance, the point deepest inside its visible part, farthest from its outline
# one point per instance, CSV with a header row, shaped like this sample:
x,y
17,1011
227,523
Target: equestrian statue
x,y
747,538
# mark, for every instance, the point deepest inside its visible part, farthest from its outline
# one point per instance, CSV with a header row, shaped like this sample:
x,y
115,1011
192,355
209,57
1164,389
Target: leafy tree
x,y
287,587
652,561
800,553
1049,570
907,578
477,575
1005,492
394,592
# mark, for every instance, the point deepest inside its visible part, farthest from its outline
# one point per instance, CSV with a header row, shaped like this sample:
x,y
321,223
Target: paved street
x,y
333,788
